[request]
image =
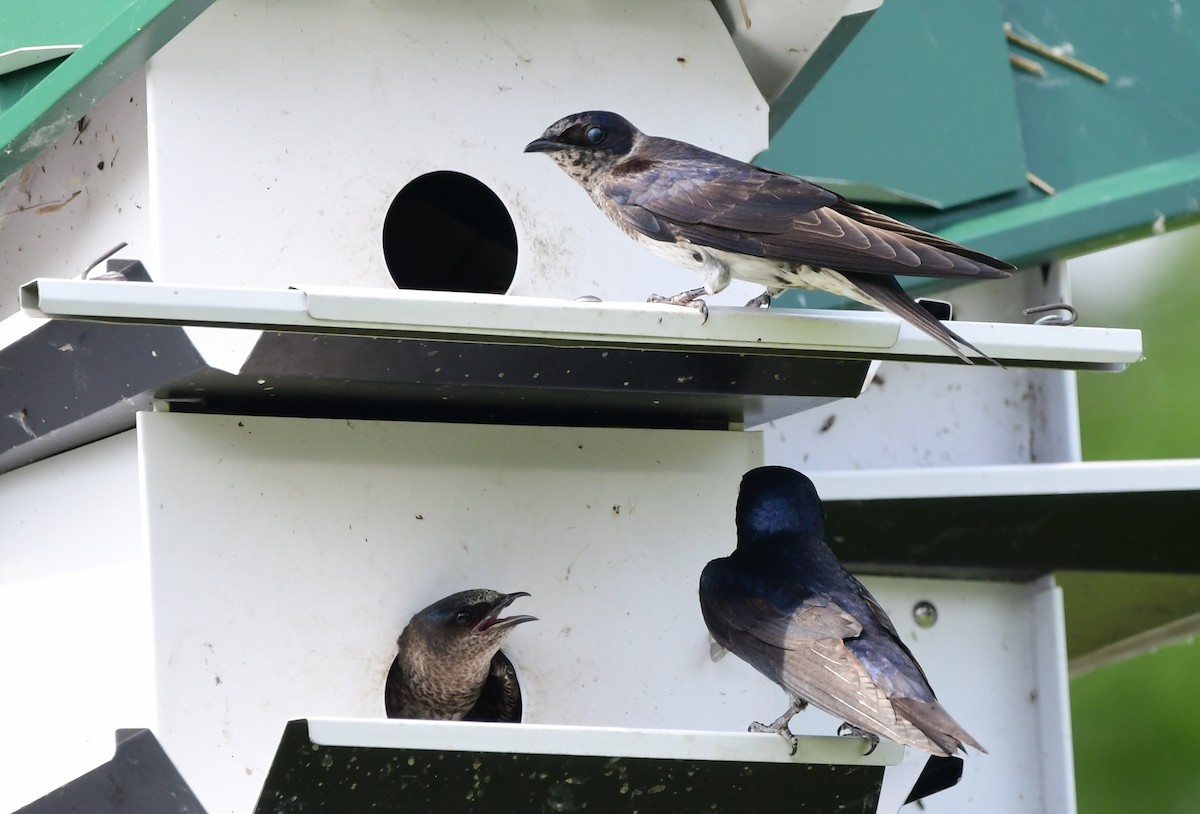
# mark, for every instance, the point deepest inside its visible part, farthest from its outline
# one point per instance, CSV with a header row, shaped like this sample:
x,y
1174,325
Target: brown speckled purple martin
x,y
449,666
728,219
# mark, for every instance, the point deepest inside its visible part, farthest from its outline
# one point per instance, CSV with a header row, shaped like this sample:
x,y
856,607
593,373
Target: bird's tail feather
x,y
888,294
936,723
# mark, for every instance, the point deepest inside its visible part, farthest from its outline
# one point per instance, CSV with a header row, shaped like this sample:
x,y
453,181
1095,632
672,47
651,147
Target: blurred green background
x,y
1136,722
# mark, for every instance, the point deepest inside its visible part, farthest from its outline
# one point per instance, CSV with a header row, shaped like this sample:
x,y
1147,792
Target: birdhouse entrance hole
x,y
447,231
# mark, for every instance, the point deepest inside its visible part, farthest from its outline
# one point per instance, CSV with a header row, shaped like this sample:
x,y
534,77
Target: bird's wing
x,y
826,674
709,189
803,651
754,618
887,293
909,680
932,719
500,698
710,200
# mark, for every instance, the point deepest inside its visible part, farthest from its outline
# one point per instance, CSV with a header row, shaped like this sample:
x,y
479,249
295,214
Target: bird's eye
x,y
594,135
463,617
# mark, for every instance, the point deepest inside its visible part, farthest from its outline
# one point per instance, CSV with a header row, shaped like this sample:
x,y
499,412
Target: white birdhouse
x,y
347,331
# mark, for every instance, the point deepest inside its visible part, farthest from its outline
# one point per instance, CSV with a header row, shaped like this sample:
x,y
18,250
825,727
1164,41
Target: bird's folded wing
x,y
717,192
831,678
739,208
815,618
878,220
885,622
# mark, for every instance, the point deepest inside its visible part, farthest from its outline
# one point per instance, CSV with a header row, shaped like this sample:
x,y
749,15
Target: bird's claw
x,y
690,298
848,730
777,729
780,725
761,300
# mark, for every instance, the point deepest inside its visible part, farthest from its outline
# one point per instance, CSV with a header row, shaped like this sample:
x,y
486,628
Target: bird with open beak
x,y
449,665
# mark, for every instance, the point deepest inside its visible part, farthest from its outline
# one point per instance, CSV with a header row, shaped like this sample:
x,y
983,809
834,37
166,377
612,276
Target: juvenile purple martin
x,y
726,218
449,666
783,603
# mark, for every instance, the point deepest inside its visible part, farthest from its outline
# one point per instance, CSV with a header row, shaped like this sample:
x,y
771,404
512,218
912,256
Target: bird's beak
x,y
542,145
493,618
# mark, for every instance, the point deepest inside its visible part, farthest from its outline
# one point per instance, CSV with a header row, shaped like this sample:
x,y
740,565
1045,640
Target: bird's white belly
x,y
719,266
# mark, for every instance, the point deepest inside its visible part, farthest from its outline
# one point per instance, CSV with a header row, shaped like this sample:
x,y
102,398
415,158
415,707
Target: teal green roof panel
x,y
1123,157
919,108
39,101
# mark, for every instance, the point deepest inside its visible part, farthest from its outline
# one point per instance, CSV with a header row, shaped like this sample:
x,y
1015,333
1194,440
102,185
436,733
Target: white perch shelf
x,y
528,320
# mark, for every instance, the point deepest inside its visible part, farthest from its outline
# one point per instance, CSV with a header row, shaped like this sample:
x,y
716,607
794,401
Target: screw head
x,y
924,613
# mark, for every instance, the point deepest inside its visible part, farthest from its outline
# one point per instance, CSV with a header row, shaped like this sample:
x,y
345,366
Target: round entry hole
x,y
447,231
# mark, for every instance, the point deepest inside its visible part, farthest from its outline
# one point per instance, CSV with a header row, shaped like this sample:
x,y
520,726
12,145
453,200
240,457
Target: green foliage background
x,y
1137,723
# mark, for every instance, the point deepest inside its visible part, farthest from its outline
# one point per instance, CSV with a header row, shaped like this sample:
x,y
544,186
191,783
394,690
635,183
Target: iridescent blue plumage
x,y
783,603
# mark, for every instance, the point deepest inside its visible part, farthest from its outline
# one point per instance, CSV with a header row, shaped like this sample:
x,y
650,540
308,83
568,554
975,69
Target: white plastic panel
x,y
919,415
541,321
777,37
325,116
84,194
986,657
550,739
1030,479
287,555
74,616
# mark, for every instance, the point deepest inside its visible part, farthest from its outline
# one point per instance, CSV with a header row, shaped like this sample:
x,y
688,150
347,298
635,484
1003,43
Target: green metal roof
x,y
922,106
921,103
38,102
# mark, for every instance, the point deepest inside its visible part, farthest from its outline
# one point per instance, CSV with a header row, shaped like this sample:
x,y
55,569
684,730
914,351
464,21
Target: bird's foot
x,y
690,298
849,730
780,725
764,298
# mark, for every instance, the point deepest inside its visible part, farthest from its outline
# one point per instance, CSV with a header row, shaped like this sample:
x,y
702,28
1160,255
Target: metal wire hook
x,y
1053,319
104,257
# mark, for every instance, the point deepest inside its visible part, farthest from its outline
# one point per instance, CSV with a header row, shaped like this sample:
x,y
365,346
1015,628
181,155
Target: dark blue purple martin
x,y
783,603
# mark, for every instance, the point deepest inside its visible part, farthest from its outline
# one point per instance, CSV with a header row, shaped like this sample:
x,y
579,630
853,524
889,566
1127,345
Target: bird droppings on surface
x,y
80,126
828,423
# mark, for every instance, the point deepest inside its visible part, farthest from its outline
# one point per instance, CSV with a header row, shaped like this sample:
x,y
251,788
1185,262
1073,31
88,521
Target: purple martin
x,y
726,218
784,604
449,666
